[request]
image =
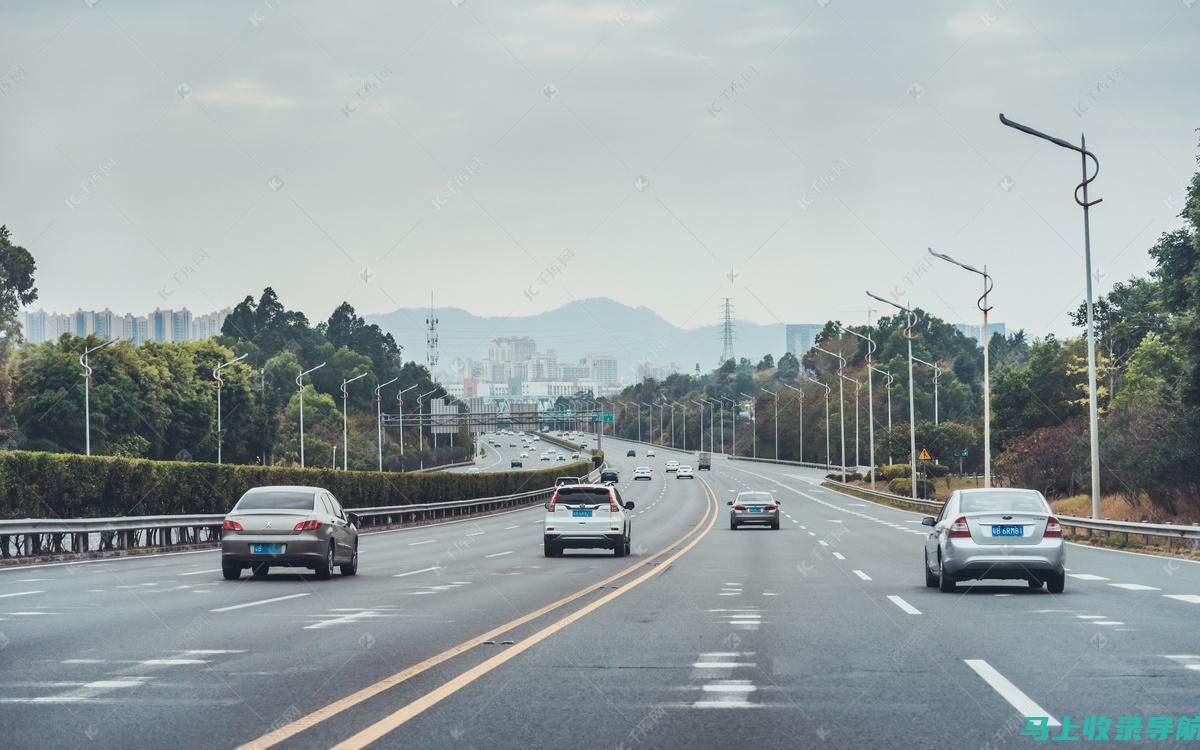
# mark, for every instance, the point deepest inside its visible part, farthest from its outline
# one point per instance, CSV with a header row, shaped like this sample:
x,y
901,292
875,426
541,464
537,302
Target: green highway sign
x,y
607,417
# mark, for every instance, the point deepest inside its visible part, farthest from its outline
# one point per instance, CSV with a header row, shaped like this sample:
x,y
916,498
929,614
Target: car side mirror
x,y
779,502
352,518
628,505
729,502
928,521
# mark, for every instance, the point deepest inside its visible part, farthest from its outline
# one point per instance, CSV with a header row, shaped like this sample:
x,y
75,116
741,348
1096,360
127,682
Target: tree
x,y
789,367
16,284
766,363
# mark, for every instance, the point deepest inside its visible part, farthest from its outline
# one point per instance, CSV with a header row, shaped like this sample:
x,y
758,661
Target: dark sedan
x,y
301,527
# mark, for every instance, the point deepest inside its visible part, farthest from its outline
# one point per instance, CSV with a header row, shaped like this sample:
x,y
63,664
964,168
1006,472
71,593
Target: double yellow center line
x,y
414,708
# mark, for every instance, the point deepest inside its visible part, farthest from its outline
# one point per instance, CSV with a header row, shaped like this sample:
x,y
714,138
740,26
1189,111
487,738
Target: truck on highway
x,y
704,461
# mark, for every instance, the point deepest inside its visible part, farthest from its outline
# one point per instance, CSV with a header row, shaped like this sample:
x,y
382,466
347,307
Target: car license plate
x,y
581,514
266,549
756,510
1008,530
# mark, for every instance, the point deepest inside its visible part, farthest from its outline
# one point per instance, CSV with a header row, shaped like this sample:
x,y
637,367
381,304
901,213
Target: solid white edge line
x,y
500,554
20,593
1008,691
260,601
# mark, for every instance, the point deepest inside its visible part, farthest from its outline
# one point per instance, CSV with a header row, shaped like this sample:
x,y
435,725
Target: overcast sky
x,y
511,156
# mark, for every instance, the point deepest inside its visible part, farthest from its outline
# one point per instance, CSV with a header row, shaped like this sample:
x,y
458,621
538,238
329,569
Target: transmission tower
x,y
726,331
431,337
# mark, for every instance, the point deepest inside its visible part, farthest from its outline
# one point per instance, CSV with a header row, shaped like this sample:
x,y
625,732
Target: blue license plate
x,y
266,549
1008,531
756,510
581,514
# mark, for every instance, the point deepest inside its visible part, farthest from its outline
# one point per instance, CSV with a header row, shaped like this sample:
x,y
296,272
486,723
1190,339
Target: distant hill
x,y
597,325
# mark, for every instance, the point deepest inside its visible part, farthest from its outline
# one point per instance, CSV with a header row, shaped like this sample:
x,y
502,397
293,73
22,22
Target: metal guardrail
x,y
1090,525
806,464
40,537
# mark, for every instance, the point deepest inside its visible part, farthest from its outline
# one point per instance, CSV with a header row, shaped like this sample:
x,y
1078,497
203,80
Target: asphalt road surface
x,y
820,634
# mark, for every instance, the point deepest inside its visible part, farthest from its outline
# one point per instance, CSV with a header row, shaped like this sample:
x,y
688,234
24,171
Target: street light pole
x,y
345,408
732,409
937,369
712,431
841,405
800,432
1085,204
775,395
870,361
753,423
985,308
216,373
911,318
421,425
379,417
826,387
400,407
300,385
87,396
701,405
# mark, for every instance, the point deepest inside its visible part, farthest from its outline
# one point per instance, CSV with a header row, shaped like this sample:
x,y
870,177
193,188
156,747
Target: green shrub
x,y
903,486
851,476
934,470
58,485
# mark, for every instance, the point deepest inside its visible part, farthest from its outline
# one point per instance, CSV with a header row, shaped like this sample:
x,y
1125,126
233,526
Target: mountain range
x,y
593,326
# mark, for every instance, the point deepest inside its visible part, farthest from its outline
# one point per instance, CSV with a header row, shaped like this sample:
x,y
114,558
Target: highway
x,y
500,459
464,635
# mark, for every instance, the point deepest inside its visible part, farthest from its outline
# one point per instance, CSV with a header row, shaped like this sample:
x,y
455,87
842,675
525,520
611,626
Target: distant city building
x,y
972,331
603,370
800,338
163,326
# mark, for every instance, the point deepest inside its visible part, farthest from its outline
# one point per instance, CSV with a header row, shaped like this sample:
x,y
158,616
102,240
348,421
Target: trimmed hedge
x,y
904,471
903,486
57,485
851,476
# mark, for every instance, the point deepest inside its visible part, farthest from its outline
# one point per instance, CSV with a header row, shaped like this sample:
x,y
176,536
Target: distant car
x,y
757,508
473,470
588,516
609,476
560,457
560,481
642,472
576,454
684,472
512,445
630,453
650,453
672,465
285,526
544,457
998,532
516,463
524,455
583,445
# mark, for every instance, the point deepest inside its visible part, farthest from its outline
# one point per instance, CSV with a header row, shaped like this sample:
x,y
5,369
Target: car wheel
x,y
621,549
1056,583
260,570
351,568
550,549
732,524
628,546
931,581
231,572
775,525
323,572
946,583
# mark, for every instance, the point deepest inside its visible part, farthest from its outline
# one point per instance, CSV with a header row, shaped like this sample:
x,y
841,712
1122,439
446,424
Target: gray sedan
x,y
753,508
301,527
995,533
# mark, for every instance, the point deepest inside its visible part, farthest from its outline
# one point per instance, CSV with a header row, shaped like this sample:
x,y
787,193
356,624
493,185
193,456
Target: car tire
x,y
325,571
775,525
231,572
260,570
628,546
1056,583
351,568
946,583
550,549
732,525
931,580
621,549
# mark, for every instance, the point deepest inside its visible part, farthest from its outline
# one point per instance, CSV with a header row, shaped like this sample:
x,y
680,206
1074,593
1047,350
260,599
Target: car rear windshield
x,y
276,500
754,498
582,496
1024,500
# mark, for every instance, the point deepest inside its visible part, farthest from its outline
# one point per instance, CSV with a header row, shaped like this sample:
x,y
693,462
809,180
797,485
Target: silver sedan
x,y
284,526
1002,533
754,509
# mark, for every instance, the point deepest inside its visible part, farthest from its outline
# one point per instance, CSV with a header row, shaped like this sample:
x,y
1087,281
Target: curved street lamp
x,y
300,385
345,407
400,407
826,387
909,337
870,360
841,404
379,417
216,373
800,432
753,423
775,395
87,397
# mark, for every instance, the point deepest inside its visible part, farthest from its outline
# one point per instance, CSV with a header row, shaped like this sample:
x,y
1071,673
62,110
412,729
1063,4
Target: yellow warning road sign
x,y
925,455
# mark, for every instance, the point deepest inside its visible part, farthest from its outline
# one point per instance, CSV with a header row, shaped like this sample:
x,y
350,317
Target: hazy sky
x,y
511,156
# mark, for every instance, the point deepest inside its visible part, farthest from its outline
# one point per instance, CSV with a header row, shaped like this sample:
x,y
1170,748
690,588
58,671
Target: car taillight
x,y
612,505
309,525
1053,527
739,506
959,527
231,526
769,507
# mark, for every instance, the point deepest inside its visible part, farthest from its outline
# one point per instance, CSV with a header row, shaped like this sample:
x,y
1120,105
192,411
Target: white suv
x,y
672,465
587,516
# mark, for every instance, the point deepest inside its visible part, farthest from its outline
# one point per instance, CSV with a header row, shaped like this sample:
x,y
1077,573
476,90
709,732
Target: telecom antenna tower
x,y
431,337
726,331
